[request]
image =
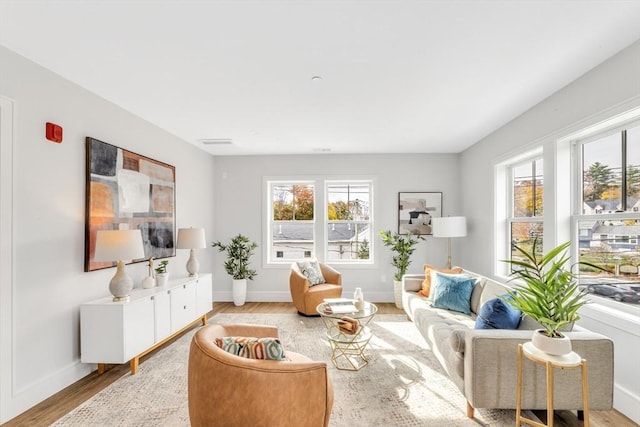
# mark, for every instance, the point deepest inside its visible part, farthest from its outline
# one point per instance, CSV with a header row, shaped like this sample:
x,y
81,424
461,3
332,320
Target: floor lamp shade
x,y
192,238
449,226
119,246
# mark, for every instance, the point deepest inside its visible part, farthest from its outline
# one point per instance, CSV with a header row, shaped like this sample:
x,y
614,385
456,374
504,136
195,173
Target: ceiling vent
x,y
216,141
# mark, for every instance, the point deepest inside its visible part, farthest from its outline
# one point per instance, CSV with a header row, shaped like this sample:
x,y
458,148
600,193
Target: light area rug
x,y
403,384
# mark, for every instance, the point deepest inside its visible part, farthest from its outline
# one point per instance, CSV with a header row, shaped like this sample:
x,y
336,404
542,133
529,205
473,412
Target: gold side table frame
x,y
568,361
348,350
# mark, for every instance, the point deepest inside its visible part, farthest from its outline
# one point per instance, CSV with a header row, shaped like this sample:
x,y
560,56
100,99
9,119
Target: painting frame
x,y
126,191
415,210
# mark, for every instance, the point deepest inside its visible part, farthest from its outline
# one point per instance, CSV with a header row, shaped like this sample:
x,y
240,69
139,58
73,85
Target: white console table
x,y
120,332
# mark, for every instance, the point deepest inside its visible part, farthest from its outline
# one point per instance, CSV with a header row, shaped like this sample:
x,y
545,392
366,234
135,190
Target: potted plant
x,y
550,294
403,246
239,251
162,275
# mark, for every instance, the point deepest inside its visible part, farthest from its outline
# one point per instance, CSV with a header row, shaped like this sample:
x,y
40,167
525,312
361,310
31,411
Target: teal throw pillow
x,y
311,270
452,292
498,314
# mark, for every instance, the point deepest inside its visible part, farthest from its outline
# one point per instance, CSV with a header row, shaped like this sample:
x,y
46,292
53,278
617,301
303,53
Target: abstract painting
x,y
415,211
127,191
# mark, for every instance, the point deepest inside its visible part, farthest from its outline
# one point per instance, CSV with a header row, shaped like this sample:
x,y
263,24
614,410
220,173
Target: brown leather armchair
x,y
305,297
227,390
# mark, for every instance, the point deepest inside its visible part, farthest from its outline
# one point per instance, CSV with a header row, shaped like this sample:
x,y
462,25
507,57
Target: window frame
x,y
327,222
320,222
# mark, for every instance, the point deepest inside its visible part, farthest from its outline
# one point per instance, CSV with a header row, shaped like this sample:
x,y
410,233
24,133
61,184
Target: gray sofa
x,y
483,362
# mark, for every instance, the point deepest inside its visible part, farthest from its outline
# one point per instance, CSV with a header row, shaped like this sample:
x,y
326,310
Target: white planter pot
x,y
162,279
397,293
553,346
239,291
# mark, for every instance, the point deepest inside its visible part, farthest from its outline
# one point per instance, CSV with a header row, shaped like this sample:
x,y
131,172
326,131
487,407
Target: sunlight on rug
x,y
403,384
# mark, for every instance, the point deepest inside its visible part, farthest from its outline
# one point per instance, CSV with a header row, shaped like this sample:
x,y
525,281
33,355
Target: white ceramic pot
x,y
239,291
162,279
397,293
148,282
554,346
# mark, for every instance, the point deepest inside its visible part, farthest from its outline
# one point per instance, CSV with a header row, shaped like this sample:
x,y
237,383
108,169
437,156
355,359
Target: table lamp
x,y
450,226
192,238
119,245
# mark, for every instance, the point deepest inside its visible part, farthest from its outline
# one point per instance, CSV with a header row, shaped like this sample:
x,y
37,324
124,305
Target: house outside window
x,y
334,225
349,221
292,220
607,221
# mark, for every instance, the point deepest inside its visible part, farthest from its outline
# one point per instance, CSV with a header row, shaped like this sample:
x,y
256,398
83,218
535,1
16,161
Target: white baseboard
x,y
257,296
626,402
32,394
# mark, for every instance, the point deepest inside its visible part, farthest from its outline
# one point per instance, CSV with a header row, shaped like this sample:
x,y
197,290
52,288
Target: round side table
x,y
568,361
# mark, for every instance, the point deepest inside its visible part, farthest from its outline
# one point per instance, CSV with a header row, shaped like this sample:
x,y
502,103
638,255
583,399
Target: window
x,y
348,221
292,218
608,224
524,220
334,225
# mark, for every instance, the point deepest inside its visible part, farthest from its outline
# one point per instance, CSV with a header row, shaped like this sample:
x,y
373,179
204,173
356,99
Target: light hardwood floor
x,y
50,410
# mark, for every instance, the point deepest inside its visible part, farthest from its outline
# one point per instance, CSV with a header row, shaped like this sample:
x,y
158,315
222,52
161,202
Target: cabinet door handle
x,y
152,298
184,307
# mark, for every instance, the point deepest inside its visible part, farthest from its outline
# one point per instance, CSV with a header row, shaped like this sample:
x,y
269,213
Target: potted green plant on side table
x,y
239,251
402,246
550,294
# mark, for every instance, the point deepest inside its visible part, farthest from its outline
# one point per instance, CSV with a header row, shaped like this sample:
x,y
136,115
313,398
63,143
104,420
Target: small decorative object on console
x,y
358,299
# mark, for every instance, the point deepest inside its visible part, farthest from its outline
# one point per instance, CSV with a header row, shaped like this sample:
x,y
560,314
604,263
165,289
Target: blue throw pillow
x,y
452,292
498,314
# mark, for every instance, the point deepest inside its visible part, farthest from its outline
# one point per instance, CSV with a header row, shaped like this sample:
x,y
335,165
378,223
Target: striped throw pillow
x,y
252,348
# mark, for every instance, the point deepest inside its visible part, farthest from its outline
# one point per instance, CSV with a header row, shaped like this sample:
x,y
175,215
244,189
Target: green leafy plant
x,y
162,268
550,293
239,251
403,246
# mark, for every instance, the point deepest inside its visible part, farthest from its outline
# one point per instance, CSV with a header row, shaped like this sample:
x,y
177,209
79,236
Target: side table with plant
x,y
239,251
402,246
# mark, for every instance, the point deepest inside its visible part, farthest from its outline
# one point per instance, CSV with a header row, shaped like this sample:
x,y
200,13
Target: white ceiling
x,y
397,76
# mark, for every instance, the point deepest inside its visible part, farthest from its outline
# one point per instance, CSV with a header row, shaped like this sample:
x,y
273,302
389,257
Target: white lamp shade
x,y
116,245
191,238
449,226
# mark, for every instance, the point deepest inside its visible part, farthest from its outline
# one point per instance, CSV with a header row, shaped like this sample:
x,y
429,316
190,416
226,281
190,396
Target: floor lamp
x,y
449,226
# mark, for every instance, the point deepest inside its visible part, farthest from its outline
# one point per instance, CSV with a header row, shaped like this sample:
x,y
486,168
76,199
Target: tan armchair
x,y
305,297
228,390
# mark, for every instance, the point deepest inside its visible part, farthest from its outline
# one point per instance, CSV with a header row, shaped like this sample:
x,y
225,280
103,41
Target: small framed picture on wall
x,y
415,210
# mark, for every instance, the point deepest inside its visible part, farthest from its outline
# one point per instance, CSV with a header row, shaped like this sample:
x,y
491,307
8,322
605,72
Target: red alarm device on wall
x,y
54,132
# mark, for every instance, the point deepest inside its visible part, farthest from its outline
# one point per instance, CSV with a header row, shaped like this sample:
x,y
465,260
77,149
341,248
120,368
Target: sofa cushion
x,y
252,348
311,270
452,292
426,283
498,314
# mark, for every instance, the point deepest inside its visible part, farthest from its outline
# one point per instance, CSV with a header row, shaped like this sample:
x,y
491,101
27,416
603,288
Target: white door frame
x,y
7,138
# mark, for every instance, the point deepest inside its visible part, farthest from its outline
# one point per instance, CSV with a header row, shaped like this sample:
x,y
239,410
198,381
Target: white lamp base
x,y
121,284
193,265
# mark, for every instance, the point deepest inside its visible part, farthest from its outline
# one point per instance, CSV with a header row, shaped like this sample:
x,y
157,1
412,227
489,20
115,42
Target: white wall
x,y
239,209
48,184
609,89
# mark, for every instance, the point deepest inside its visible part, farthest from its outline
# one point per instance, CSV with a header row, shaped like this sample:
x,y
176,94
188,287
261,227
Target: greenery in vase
x,y
402,245
550,293
162,268
239,251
